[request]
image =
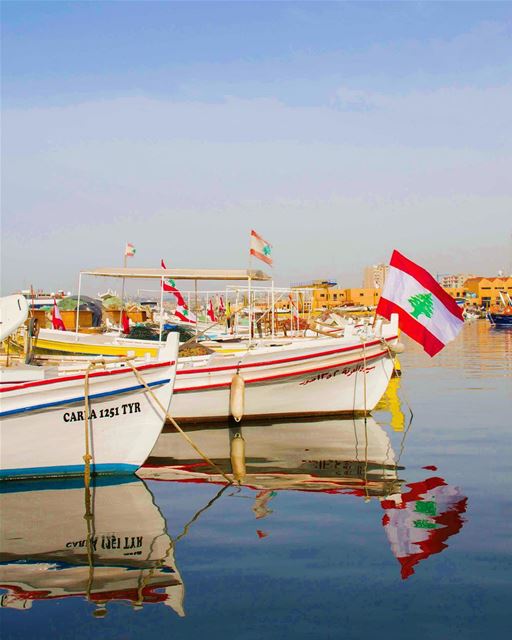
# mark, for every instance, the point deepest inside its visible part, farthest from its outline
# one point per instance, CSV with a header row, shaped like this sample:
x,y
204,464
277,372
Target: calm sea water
x,y
397,526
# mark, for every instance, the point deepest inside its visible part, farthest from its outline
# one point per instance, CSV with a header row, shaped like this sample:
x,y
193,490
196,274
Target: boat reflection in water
x,y
329,455
111,543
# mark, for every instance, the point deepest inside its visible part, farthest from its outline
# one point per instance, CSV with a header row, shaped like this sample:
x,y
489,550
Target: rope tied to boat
x,y
176,425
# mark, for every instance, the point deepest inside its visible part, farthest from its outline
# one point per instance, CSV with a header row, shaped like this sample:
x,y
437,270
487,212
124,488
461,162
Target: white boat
x,y
13,313
285,377
120,550
43,429
311,376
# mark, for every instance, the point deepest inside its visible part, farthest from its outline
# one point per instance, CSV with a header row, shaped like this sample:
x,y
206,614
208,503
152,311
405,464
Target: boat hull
x,y
42,427
501,319
323,377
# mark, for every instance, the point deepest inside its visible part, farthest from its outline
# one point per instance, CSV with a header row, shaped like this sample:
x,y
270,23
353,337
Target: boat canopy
x,y
179,274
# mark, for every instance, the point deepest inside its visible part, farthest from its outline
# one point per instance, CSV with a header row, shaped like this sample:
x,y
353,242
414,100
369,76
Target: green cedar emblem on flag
x,y
267,250
422,303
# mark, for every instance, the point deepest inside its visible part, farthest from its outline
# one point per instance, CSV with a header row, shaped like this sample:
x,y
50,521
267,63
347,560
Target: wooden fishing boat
x,y
43,419
59,541
323,376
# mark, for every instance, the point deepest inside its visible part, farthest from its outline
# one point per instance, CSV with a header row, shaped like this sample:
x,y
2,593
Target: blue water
x,y
338,530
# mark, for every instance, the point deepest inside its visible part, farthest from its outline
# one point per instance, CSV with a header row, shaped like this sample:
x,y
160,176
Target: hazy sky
x,y
338,131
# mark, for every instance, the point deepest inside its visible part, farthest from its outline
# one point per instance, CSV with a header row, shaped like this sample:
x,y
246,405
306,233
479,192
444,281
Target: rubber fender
x,y
237,397
237,454
399,347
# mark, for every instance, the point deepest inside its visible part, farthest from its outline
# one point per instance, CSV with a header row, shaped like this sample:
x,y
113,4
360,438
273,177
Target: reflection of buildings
x,y
331,456
49,550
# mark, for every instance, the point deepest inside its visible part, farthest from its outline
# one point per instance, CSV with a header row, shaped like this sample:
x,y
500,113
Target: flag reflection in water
x,y
418,522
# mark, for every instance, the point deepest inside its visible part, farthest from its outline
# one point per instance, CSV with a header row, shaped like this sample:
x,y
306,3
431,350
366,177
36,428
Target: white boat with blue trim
x,y
43,421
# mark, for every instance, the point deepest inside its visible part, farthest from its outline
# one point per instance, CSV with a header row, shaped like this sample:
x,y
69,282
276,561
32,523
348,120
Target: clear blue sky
x,y
339,131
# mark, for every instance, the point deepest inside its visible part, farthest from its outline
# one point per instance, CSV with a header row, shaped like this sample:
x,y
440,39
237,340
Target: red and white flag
x,y
260,248
426,312
211,313
169,286
222,308
184,314
129,250
57,321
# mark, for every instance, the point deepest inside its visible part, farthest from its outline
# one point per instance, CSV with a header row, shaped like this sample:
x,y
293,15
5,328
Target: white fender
x,y
237,397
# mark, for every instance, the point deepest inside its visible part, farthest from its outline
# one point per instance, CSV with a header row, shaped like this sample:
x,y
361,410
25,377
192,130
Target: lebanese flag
x,y
129,250
57,321
260,248
426,312
169,286
183,313
211,313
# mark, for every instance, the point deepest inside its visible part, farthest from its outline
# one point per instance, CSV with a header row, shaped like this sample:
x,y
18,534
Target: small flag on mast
x,y
426,312
260,248
57,321
211,313
129,250
182,311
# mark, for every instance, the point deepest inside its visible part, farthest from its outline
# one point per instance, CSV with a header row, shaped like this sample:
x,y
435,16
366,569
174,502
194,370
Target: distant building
x,y
375,276
455,281
486,291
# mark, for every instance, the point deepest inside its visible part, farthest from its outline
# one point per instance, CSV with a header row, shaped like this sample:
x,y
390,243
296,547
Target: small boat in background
x,y
501,315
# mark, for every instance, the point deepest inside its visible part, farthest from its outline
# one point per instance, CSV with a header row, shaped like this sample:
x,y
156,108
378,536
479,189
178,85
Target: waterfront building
x,y
486,291
375,276
454,281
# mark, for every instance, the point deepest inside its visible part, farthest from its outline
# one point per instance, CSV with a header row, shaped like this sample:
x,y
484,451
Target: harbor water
x,y
397,526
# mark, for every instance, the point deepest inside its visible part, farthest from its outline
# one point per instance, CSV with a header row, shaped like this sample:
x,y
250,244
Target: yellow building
x,y
486,291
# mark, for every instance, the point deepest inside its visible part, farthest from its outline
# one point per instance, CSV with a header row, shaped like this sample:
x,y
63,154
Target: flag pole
x,y
161,309
122,291
249,298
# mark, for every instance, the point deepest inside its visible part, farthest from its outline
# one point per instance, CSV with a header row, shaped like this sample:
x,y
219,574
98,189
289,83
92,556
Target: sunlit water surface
x,y
394,527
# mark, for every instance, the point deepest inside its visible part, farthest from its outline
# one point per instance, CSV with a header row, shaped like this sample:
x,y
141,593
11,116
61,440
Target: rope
x,y
87,455
176,425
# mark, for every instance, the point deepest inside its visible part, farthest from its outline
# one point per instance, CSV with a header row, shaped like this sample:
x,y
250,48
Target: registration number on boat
x,y
108,412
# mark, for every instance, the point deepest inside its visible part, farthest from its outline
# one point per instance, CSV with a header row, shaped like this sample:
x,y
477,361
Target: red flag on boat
x,y
125,321
222,308
57,321
211,313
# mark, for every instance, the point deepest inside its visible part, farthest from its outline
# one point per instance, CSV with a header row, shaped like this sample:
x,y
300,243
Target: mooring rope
x,y
87,457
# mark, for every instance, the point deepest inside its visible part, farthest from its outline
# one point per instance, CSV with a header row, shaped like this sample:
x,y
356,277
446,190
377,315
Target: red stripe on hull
x,y
426,280
411,327
98,374
321,354
291,374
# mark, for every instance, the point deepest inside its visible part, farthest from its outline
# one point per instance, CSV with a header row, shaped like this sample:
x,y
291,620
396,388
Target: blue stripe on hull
x,y
104,394
67,470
